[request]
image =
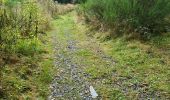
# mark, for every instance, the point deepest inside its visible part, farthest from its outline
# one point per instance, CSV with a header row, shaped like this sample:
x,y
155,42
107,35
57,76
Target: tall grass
x,y
144,17
22,20
25,69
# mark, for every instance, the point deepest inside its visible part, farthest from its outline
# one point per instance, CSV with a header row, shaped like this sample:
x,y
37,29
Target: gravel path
x,y
71,82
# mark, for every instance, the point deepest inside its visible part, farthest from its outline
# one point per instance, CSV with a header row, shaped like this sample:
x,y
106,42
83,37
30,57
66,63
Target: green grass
x,y
29,71
111,94
143,62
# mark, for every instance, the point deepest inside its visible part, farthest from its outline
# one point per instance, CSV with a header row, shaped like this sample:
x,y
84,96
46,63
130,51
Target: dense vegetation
x,y
22,25
134,18
20,21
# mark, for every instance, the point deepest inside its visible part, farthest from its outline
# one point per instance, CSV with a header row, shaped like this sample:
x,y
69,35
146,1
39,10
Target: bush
x,y
21,20
144,17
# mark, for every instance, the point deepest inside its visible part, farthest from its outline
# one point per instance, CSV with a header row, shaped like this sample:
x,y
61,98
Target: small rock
x,y
93,92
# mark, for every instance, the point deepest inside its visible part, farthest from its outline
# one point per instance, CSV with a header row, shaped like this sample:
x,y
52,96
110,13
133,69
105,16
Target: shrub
x,y
22,19
145,17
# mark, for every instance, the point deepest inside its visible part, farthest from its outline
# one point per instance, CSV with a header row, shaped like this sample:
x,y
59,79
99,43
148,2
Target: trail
x,y
71,82
81,62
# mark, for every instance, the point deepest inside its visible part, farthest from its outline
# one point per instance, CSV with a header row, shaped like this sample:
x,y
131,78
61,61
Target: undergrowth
x,y
26,67
27,73
141,19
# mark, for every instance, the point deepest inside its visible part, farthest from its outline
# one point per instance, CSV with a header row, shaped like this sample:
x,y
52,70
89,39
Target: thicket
x,y
21,21
134,18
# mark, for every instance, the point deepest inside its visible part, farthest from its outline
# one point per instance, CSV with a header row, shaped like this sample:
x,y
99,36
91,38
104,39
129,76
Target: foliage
x,y
22,25
141,17
22,20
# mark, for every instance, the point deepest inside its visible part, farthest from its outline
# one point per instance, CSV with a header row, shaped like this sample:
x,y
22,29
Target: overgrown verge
x,y
26,67
27,74
133,18
141,69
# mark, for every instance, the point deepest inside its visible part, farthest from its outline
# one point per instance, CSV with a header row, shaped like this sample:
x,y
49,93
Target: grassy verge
x,y
27,73
141,70
140,67
142,64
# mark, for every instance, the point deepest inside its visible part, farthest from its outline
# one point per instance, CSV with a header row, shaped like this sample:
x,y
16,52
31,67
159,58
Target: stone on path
x,y
93,92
